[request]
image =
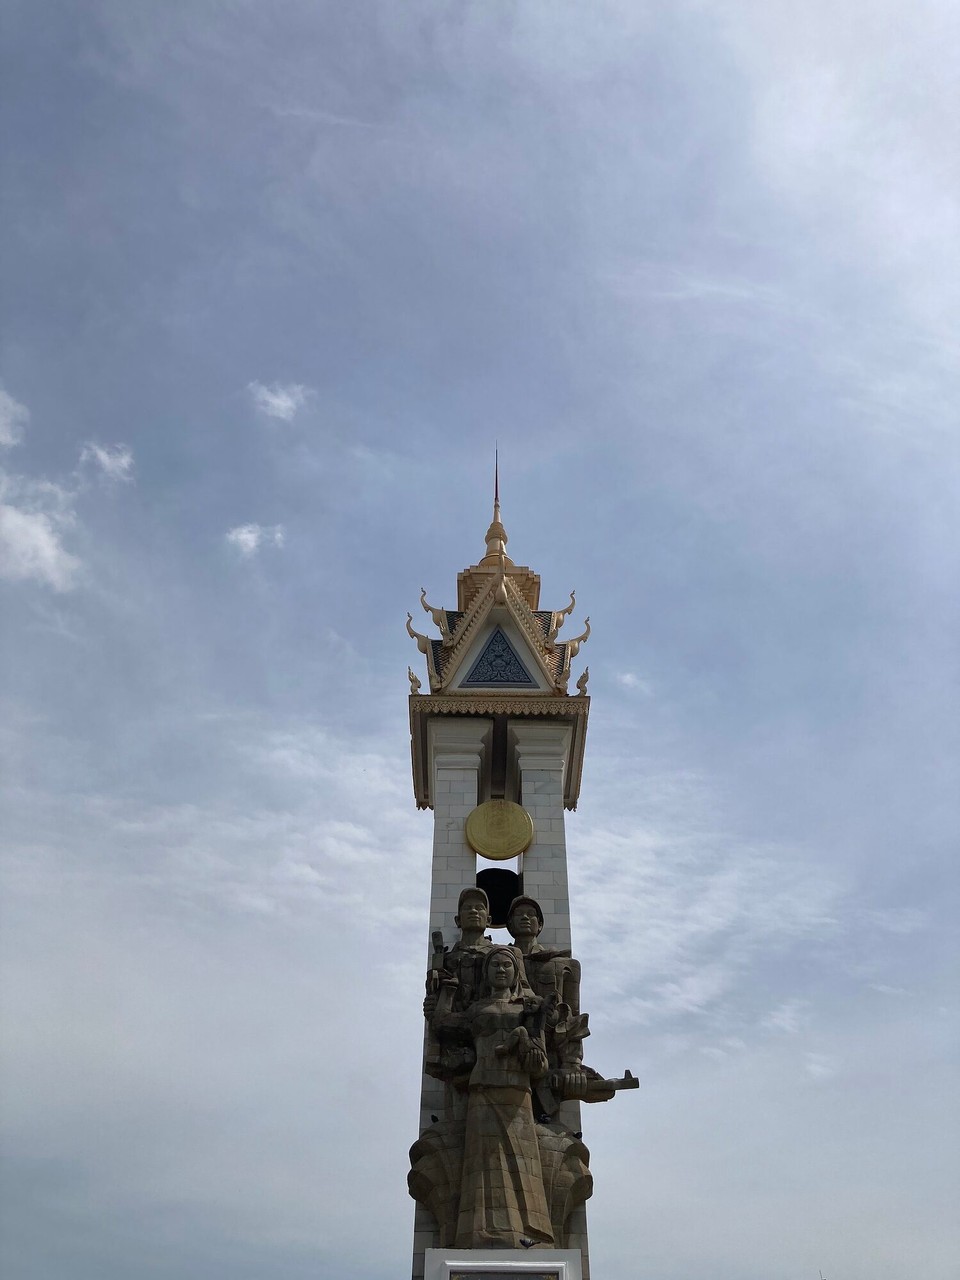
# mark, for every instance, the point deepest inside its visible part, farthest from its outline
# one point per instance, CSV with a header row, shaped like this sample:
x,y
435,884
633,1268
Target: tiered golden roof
x,y
497,590
498,654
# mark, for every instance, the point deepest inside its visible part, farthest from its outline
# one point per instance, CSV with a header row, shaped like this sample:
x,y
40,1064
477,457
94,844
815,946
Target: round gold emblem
x,y
499,829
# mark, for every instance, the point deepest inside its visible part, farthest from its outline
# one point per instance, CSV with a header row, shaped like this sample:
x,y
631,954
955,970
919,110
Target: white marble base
x,y
499,1264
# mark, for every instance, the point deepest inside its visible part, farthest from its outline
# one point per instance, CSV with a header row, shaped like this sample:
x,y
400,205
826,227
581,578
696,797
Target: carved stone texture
x,y
500,1197
453,983
551,974
499,665
488,1172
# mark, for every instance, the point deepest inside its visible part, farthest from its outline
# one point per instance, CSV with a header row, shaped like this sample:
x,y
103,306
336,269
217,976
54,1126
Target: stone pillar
x,y
456,746
541,755
541,751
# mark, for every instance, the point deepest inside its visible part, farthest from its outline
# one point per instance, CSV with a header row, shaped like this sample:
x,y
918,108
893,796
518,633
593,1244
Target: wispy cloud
x,y
14,417
115,462
678,909
788,1017
36,514
316,116
249,538
897,920
678,282
33,515
820,1066
279,401
630,680
825,107
31,548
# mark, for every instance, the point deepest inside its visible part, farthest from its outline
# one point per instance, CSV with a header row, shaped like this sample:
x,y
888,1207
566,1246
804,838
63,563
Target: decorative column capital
x,y
540,746
458,742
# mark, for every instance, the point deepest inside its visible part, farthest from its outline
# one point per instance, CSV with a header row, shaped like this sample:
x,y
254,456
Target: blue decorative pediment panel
x,y
498,667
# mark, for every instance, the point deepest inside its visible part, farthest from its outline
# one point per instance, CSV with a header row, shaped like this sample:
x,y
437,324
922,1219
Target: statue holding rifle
x,y
505,1034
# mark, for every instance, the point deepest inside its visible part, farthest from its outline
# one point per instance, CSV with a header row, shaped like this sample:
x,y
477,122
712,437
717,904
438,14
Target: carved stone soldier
x,y
453,983
552,974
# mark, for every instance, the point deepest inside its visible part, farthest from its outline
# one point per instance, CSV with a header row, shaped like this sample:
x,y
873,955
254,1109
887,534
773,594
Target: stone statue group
x,y
505,1034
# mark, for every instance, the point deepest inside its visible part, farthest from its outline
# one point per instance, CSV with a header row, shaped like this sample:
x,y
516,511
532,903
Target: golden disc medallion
x,y
499,829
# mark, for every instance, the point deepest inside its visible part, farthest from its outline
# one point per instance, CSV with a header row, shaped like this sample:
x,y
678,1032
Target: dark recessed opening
x,y
501,887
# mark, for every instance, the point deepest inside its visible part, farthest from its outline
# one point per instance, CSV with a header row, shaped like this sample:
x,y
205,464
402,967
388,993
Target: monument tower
x,y
500,1173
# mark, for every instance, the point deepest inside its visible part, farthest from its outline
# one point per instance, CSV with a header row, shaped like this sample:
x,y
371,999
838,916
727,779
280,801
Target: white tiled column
x,y
456,746
541,754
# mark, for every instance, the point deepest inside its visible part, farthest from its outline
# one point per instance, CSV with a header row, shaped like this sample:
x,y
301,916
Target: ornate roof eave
x,y
468,626
547,706
523,615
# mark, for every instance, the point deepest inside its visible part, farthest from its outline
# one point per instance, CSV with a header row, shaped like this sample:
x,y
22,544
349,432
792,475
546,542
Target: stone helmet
x,y
473,891
531,902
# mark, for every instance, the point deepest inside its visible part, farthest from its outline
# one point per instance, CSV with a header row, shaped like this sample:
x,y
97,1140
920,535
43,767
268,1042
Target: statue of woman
x,y
489,1174
502,1196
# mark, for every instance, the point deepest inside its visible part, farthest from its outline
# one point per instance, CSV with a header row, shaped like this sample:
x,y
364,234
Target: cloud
x,y
14,416
629,680
900,920
115,462
788,1017
820,1066
33,514
249,538
321,117
837,130
682,914
279,401
30,548
194,1051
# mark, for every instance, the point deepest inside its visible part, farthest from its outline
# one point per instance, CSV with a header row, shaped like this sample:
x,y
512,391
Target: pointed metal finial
x,y
496,534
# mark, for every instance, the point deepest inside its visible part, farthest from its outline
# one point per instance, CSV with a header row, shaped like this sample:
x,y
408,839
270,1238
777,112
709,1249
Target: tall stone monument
x,y
499,1172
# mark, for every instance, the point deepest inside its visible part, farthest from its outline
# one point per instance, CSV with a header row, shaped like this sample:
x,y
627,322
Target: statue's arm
x,y
452,1027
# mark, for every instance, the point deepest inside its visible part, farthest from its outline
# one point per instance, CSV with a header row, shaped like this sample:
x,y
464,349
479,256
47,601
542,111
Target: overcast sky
x,y
275,276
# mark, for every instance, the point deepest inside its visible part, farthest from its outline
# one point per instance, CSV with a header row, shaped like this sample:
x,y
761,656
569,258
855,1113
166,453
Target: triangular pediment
x,y
496,653
498,666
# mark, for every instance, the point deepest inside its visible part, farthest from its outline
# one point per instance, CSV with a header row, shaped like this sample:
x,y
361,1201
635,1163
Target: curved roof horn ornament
x,y
439,617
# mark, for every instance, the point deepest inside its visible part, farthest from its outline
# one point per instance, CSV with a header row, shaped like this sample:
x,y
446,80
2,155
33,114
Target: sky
x,y
276,279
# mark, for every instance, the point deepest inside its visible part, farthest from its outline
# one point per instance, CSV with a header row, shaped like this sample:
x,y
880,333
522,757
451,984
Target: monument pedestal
x,y
503,1264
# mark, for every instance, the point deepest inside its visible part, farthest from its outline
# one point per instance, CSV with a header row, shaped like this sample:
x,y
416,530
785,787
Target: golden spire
x,y
496,534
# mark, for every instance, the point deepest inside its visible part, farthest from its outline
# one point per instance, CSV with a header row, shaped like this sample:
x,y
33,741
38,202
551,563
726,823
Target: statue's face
x,y
502,972
473,913
524,922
